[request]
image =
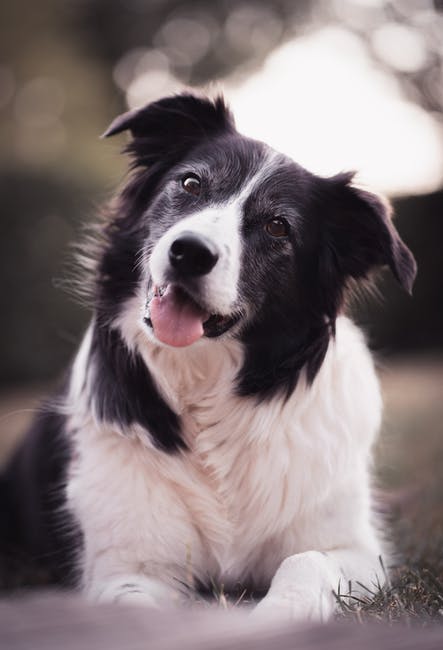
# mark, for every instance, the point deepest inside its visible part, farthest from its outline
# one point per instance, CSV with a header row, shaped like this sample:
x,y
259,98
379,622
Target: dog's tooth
x,y
160,290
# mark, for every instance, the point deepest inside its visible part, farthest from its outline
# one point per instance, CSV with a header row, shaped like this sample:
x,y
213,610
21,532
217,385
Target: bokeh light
x,y
402,47
321,100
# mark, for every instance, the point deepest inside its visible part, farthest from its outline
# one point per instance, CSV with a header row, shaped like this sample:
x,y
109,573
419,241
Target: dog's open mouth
x,y
178,320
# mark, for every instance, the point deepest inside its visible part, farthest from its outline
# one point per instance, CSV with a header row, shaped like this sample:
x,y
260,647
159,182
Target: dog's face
x,y
196,245
236,240
222,238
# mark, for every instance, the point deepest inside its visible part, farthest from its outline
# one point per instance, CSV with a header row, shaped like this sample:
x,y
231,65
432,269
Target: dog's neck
x,y
183,375
186,376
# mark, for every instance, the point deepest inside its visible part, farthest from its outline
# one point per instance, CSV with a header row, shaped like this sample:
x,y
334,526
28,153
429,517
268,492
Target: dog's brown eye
x,y
191,183
277,228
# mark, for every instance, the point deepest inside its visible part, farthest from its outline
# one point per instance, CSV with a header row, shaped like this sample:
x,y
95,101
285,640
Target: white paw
x,y
302,589
134,590
294,606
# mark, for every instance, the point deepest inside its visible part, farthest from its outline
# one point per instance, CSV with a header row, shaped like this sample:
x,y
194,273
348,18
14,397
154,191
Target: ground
x,y
409,487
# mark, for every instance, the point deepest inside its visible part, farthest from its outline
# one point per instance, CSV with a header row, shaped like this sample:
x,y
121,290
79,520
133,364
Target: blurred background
x,y
338,85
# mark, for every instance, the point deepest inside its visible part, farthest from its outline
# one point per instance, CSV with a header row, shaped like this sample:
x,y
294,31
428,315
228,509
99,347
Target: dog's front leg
x,y
118,576
109,576
304,584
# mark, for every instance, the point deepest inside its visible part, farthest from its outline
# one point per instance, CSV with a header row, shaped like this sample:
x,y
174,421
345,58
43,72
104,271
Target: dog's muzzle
x,y
179,306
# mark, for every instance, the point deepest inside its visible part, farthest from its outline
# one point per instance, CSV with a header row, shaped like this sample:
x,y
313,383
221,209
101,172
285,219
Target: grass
x,y
411,596
413,592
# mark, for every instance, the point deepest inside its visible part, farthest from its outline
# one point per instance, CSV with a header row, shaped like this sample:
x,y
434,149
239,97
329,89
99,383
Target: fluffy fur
x,y
243,457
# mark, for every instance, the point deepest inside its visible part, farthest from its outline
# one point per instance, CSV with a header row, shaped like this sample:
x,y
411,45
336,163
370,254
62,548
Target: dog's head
x,y
224,237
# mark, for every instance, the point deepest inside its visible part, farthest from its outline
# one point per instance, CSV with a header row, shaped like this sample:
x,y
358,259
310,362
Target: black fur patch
x,y
167,127
125,393
294,320
37,531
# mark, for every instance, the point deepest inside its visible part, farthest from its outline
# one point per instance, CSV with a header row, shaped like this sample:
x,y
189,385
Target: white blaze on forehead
x,y
221,224
270,162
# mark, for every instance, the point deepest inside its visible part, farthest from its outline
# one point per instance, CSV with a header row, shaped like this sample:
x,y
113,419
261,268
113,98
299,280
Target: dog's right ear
x,y
173,125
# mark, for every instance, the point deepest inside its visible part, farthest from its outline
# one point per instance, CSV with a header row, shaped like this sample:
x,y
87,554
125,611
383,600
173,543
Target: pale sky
x,y
321,100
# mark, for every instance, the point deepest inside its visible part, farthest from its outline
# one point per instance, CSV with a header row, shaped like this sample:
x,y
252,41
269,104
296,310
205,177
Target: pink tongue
x,y
176,321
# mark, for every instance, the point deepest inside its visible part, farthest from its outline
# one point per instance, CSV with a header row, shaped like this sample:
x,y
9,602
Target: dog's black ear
x,y
172,125
360,233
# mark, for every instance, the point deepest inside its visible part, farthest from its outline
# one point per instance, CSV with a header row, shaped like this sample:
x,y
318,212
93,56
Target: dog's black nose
x,y
192,254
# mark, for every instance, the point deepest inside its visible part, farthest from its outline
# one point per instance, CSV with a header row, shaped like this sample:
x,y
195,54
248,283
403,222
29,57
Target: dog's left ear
x,y
170,127
361,235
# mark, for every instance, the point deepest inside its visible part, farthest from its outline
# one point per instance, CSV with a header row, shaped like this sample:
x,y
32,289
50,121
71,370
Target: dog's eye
x,y
191,184
277,228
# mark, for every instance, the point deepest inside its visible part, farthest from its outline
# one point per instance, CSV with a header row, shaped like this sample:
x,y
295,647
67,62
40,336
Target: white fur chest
x,y
255,478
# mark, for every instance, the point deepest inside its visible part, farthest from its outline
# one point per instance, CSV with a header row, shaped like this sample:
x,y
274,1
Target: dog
x,y
217,423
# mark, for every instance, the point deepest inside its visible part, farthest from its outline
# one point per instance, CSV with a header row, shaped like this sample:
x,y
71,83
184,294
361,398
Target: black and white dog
x,y
218,419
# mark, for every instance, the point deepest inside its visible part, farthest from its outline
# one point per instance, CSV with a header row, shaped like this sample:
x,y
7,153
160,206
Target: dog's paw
x,y
294,606
302,589
134,590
